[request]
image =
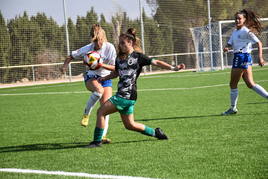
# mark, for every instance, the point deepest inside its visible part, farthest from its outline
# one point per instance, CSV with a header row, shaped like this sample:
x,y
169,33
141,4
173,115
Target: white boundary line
x,y
147,76
62,173
140,90
143,76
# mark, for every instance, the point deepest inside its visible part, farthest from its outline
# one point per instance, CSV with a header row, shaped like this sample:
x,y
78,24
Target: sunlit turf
x,y
41,131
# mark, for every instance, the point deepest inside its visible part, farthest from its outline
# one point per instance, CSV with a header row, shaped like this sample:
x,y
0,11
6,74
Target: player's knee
x,y
250,84
99,90
100,112
95,88
232,85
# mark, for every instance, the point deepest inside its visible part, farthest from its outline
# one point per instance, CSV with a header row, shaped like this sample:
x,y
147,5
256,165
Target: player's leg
x,y
130,124
106,95
97,91
236,75
105,109
248,78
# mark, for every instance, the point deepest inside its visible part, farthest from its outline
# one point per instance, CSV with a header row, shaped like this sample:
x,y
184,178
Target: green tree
x,y
4,49
51,33
26,40
107,27
82,30
154,40
5,42
72,34
91,17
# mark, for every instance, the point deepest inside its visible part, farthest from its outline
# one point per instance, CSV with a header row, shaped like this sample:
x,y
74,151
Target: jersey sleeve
x,y
80,53
230,41
112,56
144,60
116,65
254,39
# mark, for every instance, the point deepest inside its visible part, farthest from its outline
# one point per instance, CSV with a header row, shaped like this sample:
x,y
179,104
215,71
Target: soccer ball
x,y
92,60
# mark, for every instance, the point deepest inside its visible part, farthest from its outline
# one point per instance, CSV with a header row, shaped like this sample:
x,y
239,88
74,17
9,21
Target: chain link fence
x,y
221,32
33,47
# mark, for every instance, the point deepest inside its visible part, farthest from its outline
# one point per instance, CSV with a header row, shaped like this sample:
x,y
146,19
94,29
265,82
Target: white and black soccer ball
x,y
92,60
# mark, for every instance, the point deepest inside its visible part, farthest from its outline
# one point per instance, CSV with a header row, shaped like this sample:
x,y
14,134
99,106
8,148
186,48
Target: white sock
x,y
260,90
93,99
234,98
106,125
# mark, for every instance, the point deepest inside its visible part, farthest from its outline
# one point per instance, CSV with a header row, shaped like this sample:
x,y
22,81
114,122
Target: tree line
x,y
38,39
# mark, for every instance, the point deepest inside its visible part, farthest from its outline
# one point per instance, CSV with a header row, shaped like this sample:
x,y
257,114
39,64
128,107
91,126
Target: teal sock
x,y
98,132
148,131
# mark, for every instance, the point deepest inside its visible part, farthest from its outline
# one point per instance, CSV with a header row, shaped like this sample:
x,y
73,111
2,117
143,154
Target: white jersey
x,y
242,39
107,52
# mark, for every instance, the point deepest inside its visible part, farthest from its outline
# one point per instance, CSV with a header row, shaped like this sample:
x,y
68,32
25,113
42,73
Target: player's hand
x,y
101,79
179,67
226,49
63,69
98,66
261,62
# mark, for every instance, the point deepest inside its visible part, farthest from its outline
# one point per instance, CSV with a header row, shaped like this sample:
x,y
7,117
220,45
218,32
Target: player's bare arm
x,y
261,60
108,67
227,48
112,75
167,66
65,64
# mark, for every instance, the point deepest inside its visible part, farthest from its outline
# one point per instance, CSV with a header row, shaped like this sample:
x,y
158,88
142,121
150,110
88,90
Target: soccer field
x,y
40,130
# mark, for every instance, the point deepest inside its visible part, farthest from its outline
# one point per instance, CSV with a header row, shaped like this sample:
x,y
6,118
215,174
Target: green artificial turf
x,y
40,130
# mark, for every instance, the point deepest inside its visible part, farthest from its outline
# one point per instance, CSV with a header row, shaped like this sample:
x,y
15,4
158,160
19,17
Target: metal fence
x,y
33,47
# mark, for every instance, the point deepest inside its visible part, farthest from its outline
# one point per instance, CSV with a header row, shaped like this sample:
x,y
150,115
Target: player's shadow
x,y
179,117
257,103
133,141
58,146
41,147
197,117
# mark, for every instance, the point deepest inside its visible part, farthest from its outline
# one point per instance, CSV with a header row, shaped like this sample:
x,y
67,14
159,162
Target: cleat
x,y
94,144
84,121
160,134
105,140
229,112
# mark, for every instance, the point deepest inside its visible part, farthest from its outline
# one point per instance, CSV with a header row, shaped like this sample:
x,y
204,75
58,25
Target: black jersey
x,y
129,70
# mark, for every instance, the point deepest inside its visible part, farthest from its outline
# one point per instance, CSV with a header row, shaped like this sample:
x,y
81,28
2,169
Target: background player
x,y
241,41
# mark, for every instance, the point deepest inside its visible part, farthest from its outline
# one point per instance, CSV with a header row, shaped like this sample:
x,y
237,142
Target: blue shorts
x,y
89,75
242,60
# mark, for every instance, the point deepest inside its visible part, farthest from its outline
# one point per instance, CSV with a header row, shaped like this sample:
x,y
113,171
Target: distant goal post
x,y
220,34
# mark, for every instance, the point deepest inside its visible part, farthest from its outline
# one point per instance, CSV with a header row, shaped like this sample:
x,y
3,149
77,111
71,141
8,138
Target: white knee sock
x,y
106,125
234,97
260,90
93,99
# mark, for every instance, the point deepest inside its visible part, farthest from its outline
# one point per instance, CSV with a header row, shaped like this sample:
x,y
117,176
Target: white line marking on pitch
x,y
42,93
149,76
62,173
141,90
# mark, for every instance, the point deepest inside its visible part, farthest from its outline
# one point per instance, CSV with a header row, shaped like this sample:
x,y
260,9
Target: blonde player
x,y
100,91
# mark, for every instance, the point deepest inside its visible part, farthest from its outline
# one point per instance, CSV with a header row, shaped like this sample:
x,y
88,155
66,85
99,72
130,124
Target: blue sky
x,y
54,8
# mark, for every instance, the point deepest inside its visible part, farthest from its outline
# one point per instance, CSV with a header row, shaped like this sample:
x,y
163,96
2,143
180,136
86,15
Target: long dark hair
x,y
128,37
252,20
137,41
